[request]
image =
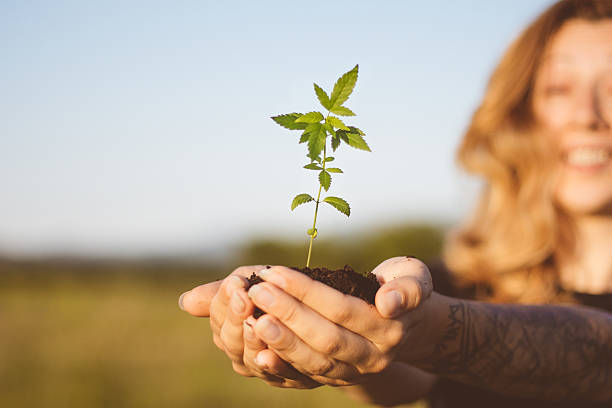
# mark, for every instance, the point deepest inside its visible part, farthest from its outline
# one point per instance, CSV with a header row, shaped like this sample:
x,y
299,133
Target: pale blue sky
x,y
143,127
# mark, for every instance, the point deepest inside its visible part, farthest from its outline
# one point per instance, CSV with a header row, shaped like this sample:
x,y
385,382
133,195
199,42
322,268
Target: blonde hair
x,y
509,244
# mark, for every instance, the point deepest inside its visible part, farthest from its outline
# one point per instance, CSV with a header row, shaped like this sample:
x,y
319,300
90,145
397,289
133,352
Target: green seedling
x,y
316,128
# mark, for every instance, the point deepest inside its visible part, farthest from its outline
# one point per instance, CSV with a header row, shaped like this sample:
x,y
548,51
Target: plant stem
x,y
314,224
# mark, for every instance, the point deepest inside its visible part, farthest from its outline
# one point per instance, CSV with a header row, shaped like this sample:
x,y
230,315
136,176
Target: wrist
x,y
422,340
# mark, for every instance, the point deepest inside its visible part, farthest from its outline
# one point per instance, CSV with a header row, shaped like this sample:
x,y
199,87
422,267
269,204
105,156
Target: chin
x,y
582,206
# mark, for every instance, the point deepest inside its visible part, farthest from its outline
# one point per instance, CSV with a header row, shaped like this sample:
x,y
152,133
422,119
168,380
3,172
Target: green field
x,y
118,339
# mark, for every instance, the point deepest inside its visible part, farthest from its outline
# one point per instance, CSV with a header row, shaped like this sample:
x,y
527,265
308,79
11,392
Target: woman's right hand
x,y
230,310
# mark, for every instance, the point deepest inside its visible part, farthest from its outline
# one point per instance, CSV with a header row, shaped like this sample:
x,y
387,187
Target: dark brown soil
x,y
346,280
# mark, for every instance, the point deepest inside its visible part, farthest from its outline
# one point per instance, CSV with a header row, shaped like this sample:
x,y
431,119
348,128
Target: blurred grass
x,y
101,334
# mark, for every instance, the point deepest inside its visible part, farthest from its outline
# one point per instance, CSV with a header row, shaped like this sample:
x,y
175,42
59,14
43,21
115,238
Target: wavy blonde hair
x,y
508,246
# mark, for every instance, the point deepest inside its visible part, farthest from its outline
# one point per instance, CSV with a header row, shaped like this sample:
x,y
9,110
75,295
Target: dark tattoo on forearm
x,y
455,317
549,352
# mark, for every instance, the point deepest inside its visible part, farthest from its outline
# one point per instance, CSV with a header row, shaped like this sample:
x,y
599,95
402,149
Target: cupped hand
x,y
230,311
339,339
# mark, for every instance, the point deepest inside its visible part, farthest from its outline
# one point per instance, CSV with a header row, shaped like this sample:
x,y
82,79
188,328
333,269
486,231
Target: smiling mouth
x,y
588,157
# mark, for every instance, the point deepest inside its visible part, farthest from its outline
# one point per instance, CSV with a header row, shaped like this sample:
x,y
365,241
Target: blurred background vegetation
x,y
104,332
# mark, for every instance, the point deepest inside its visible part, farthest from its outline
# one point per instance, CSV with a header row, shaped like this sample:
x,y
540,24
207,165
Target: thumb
x,y
405,284
197,301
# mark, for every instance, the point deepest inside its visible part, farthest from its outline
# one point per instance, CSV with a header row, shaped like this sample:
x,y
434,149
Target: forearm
x,y
548,352
398,384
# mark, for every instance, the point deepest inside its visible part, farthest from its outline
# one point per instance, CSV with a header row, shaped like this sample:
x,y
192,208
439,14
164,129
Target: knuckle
x,y
241,369
376,365
341,315
218,342
322,368
290,314
300,291
331,348
242,270
416,294
215,326
286,344
395,335
229,342
217,314
330,344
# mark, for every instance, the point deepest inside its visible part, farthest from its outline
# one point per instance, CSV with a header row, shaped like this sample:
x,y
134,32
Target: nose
x,y
593,110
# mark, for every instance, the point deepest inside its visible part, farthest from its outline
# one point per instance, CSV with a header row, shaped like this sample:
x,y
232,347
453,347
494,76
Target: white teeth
x,y
587,156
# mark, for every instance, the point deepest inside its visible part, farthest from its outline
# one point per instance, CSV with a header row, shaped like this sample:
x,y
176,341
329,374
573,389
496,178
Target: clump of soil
x,y
346,280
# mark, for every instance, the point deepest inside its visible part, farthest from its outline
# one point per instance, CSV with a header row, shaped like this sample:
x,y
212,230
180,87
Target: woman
x,y
540,242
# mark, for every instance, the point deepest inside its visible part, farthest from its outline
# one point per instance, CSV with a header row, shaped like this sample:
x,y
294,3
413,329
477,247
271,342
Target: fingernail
x,y
392,301
269,331
259,361
180,301
261,296
237,304
273,277
248,331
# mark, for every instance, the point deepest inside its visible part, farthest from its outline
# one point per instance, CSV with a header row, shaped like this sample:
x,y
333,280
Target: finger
x,y
220,303
252,346
231,334
400,266
291,378
218,342
197,301
239,368
293,350
315,330
236,280
267,365
345,310
406,282
399,296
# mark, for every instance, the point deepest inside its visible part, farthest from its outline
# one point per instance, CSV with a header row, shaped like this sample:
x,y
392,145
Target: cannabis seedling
x,y
316,128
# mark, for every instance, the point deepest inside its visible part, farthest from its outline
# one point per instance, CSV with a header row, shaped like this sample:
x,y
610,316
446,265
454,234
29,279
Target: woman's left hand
x,y
339,339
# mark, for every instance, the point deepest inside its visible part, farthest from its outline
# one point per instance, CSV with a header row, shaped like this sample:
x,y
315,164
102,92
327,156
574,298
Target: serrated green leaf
x,y
316,142
336,122
344,87
301,199
334,170
342,111
325,179
313,127
339,204
310,117
313,166
356,140
335,142
353,129
304,137
288,121
322,95
343,135
329,159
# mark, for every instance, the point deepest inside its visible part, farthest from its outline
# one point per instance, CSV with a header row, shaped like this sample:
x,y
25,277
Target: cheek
x,y
552,117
